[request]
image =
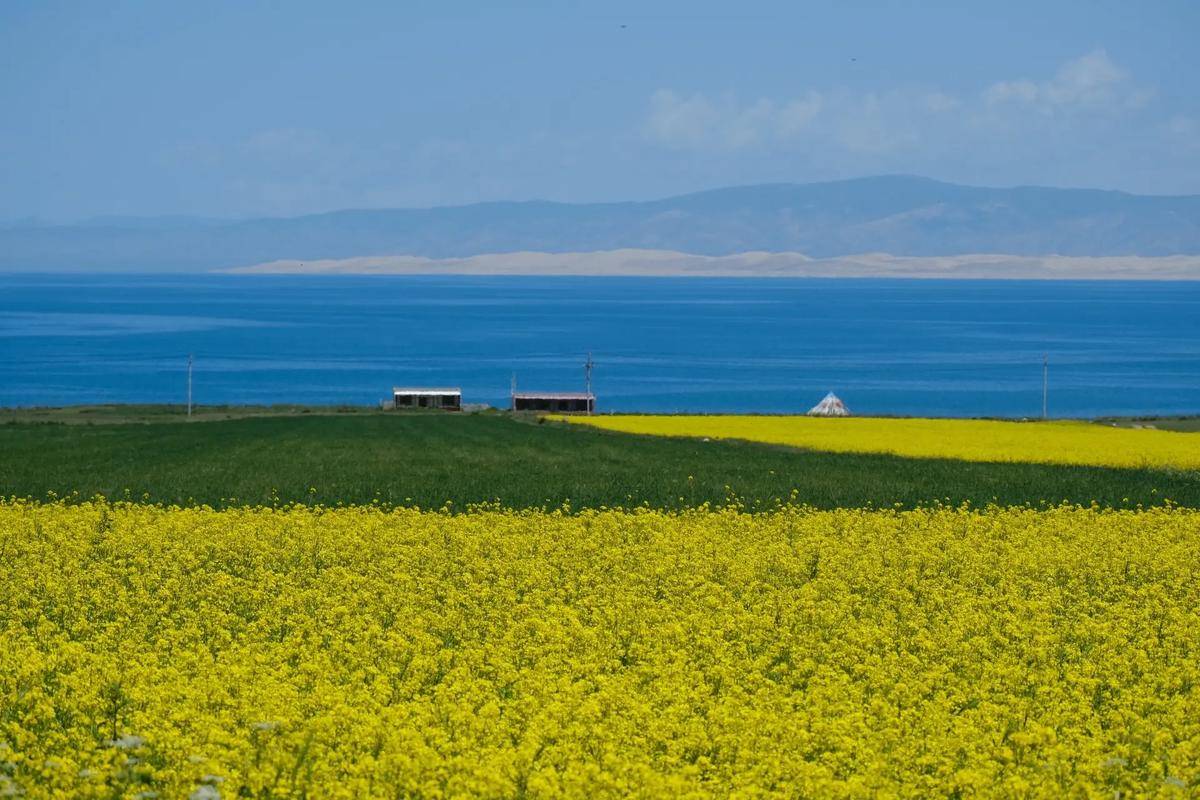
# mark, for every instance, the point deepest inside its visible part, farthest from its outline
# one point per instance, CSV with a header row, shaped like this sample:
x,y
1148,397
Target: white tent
x,y
831,406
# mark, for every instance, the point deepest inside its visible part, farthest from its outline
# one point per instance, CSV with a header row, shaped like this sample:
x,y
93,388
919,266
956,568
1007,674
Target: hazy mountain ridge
x,y
902,216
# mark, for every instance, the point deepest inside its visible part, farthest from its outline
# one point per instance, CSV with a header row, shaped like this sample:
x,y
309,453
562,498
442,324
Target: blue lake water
x,y
959,348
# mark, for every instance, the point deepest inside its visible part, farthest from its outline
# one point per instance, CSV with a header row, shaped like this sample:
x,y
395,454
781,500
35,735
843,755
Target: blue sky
x,y
243,108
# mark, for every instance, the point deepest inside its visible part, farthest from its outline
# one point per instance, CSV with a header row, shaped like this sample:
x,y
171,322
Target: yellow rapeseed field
x,y
1081,443
355,652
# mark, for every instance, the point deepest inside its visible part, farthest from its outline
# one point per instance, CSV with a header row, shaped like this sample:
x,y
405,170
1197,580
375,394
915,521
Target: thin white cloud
x,y
795,116
1092,82
1184,132
940,102
882,122
871,122
286,144
725,123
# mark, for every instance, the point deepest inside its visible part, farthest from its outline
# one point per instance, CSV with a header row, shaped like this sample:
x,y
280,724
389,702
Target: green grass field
x,y
357,456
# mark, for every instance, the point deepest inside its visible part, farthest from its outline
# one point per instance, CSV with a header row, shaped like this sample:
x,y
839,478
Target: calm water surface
x,y
959,348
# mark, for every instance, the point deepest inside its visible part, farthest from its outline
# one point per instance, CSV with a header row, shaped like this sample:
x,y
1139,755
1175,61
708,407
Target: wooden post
x,y
587,382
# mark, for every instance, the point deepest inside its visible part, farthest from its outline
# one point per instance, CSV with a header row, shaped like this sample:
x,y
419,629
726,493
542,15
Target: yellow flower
x,y
359,652
966,439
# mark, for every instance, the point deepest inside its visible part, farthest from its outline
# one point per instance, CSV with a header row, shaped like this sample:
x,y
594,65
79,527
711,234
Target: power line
x,y
587,381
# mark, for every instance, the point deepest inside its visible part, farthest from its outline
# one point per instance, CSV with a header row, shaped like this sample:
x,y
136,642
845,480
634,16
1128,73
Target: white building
x,y
426,397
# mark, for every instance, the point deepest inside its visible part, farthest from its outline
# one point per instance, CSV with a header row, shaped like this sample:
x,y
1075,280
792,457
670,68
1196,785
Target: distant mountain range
x,y
899,215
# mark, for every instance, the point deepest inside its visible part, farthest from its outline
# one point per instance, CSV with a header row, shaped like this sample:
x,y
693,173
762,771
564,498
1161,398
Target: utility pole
x,y
512,393
587,382
189,413
1045,383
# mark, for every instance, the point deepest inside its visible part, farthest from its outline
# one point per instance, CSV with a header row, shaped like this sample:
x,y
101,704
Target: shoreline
x,y
121,413
755,264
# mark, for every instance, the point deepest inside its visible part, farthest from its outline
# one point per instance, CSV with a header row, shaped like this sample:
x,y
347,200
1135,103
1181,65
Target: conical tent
x,y
831,406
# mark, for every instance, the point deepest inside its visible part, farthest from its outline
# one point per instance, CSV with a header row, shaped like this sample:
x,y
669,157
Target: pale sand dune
x,y
668,263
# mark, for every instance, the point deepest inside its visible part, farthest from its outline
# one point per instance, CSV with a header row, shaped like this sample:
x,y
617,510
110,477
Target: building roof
x,y
425,390
554,396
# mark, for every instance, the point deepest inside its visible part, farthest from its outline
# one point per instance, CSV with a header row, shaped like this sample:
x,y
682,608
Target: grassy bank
x,y
146,413
1186,424
429,459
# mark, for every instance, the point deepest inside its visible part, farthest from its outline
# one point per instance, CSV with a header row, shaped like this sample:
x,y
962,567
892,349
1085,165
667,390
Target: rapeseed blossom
x,y
359,652
1080,443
